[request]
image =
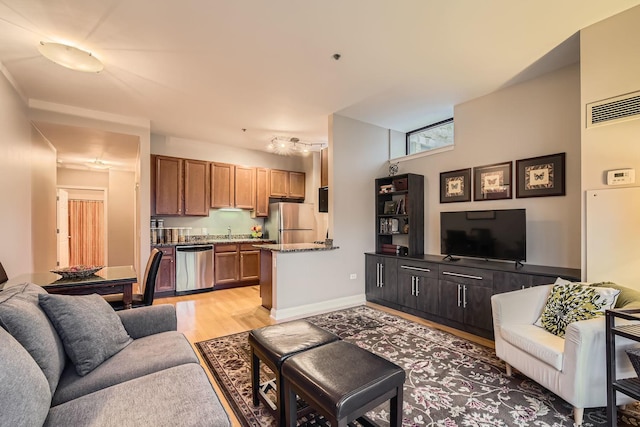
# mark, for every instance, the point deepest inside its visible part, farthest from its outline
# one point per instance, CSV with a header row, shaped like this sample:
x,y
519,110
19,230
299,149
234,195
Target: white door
x,y
62,224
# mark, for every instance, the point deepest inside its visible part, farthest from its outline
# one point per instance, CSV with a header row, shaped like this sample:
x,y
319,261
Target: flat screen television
x,y
496,234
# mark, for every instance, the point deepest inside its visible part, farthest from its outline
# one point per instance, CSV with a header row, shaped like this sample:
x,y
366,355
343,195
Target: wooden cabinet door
x,y
222,185
451,301
390,279
250,265
196,187
278,183
296,185
168,186
166,278
262,193
427,294
245,187
226,261
406,289
477,310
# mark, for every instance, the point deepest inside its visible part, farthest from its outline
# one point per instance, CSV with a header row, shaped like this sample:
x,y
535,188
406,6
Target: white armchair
x,y
573,367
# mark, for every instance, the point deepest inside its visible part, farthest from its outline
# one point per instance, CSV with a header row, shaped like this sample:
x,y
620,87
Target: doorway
x,y
81,226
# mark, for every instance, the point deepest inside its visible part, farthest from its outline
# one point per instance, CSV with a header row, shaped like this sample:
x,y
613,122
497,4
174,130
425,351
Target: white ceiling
x,y
206,69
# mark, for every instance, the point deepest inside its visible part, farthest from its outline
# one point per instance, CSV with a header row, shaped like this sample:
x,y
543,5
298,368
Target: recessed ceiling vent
x,y
625,107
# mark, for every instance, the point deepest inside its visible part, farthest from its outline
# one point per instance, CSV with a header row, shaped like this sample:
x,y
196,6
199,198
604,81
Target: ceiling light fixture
x,y
71,57
291,145
98,164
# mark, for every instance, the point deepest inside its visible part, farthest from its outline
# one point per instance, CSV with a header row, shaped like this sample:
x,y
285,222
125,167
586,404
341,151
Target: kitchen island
x,y
270,254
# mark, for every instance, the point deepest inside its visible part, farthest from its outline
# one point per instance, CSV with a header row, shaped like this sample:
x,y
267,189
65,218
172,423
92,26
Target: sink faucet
x,y
229,232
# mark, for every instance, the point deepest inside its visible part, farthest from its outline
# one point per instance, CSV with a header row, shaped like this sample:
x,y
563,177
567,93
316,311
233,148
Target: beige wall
x,y
27,189
120,195
610,66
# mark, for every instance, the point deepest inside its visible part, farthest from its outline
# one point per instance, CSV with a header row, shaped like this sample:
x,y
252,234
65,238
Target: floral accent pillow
x,y
573,302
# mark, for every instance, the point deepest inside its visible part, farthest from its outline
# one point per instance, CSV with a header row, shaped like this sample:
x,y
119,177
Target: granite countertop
x,y
295,247
213,241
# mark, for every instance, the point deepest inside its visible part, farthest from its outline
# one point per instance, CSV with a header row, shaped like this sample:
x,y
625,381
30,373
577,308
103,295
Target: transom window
x,y
432,137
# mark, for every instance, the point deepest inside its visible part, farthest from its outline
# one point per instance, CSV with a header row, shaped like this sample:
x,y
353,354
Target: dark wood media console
x,y
452,293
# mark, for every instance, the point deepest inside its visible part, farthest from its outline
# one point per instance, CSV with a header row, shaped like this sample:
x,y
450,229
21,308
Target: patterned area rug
x,y
450,381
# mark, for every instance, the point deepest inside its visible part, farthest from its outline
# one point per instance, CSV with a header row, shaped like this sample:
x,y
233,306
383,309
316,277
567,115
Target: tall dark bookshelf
x,y
400,212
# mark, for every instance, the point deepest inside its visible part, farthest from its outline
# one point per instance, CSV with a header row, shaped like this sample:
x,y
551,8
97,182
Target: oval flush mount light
x,y
71,57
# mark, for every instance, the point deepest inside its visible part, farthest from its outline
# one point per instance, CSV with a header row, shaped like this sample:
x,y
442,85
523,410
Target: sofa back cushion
x,y
90,329
22,317
25,397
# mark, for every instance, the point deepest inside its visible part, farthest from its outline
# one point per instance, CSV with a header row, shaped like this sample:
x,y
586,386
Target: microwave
x,y
323,199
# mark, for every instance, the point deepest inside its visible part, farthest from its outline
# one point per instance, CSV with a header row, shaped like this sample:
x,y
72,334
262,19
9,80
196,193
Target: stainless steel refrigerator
x,y
291,222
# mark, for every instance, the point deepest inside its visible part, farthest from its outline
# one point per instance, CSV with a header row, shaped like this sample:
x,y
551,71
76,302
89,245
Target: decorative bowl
x,y
77,271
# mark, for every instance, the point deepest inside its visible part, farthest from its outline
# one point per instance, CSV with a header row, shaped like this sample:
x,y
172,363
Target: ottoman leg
x,y
395,408
290,415
255,377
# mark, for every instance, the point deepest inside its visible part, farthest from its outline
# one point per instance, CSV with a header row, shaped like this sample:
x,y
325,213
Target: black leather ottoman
x,y
273,345
342,382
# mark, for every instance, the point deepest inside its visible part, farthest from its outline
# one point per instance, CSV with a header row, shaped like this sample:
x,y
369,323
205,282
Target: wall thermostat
x,y
621,176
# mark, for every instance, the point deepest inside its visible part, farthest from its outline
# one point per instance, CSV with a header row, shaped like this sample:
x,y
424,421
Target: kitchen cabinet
x,y
380,278
262,193
167,185
179,186
457,295
245,187
166,278
286,184
418,286
222,185
236,264
196,187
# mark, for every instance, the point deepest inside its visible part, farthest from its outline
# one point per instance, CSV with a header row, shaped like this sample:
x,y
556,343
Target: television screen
x,y
496,234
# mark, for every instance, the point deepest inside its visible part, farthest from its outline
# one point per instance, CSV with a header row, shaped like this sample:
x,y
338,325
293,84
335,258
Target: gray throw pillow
x,y
22,317
90,329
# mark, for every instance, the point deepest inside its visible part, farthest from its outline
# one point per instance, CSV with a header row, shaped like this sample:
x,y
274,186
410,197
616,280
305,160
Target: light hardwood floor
x,y
229,311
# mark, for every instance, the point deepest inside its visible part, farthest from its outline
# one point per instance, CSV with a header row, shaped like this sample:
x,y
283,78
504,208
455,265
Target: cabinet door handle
x,y
459,295
381,275
466,276
377,274
408,267
464,296
417,284
413,285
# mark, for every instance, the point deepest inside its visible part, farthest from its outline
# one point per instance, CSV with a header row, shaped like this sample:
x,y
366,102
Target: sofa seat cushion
x,y
181,395
24,391
22,317
531,339
143,356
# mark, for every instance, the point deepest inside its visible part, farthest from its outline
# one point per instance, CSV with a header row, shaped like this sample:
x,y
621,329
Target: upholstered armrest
x,y
144,321
519,307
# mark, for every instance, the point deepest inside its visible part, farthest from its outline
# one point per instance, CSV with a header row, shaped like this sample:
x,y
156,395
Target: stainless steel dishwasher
x,y
194,268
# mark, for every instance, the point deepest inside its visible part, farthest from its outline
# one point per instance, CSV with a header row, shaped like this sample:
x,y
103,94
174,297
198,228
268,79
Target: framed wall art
x,y
541,176
455,186
492,182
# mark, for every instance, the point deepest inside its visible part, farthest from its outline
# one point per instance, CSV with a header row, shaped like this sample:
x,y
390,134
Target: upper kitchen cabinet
x,y
245,188
179,186
167,185
196,187
324,167
262,193
222,185
286,184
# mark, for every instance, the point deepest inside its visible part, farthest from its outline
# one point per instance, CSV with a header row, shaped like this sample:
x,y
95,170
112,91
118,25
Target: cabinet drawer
x,y
225,247
418,268
248,247
167,251
466,275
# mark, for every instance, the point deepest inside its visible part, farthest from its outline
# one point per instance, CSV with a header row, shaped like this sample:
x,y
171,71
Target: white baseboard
x,y
300,311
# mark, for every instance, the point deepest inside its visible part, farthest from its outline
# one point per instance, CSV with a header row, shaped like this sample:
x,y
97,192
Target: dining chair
x,y
145,297
3,274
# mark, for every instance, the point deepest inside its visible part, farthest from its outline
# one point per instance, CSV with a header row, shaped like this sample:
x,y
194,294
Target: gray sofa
x,y
155,379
